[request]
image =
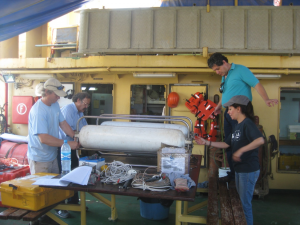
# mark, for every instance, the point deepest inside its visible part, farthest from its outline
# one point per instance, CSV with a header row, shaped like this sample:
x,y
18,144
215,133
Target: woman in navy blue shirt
x,y
244,141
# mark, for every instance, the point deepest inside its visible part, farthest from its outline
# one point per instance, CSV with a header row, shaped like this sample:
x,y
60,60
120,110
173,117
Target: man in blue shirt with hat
x,y
45,119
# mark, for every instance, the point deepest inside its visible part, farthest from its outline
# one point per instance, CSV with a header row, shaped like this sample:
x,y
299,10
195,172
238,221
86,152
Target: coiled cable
x,y
116,172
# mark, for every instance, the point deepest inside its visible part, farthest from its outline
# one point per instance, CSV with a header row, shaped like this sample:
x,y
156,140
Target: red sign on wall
x,y
21,106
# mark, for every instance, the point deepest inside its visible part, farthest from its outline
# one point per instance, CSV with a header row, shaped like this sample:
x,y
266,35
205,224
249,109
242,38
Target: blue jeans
x,y
229,124
245,184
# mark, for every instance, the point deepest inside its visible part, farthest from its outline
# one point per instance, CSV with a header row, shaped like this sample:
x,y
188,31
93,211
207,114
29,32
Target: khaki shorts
x,y
43,167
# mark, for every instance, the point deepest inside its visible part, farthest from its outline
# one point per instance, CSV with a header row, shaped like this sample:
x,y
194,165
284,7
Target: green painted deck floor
x,y
277,208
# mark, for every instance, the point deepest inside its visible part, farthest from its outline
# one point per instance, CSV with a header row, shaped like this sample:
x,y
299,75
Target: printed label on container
x,y
171,164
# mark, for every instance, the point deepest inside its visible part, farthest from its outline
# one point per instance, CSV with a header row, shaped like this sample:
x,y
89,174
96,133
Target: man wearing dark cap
x,y
45,118
236,80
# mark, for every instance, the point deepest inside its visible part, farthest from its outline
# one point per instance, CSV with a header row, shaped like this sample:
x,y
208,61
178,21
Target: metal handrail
x,y
145,119
151,116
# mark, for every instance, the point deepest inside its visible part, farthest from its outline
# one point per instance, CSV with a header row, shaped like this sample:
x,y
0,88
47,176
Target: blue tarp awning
x,y
19,16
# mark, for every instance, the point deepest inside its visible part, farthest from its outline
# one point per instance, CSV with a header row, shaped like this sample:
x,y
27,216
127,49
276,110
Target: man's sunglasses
x,y
221,89
58,88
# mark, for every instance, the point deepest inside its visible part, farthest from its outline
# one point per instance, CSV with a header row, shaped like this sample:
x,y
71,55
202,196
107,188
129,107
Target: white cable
x,y
117,172
98,172
150,188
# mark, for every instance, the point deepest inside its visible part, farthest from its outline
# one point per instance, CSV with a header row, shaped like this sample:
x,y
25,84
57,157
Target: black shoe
x,y
224,179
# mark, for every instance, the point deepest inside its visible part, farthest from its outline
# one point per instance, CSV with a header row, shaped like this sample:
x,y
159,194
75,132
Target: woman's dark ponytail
x,y
250,112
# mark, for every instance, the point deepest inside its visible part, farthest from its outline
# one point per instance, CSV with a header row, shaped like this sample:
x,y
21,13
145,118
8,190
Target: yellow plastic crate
x,y
285,162
20,193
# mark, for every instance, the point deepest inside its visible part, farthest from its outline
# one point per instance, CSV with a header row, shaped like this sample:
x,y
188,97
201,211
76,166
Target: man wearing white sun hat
x,y
45,118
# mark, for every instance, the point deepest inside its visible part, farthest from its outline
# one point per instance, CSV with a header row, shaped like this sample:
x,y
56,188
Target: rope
x,y
9,161
159,185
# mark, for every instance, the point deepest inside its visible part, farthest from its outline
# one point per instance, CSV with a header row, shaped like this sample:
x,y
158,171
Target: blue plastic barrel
x,y
153,210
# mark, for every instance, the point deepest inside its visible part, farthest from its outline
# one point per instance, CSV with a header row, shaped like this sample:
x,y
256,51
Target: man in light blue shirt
x,y
45,118
236,80
73,112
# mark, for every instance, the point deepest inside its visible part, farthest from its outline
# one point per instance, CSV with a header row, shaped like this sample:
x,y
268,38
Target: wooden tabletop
x,y
99,187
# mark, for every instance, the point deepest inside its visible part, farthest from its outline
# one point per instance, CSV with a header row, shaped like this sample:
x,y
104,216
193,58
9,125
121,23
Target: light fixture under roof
x,y
83,88
267,76
154,75
8,78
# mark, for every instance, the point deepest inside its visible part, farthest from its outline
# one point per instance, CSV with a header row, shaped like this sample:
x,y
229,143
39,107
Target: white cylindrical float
x,y
182,128
137,139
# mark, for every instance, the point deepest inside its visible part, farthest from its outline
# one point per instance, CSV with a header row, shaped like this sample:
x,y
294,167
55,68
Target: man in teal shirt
x,y
236,80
